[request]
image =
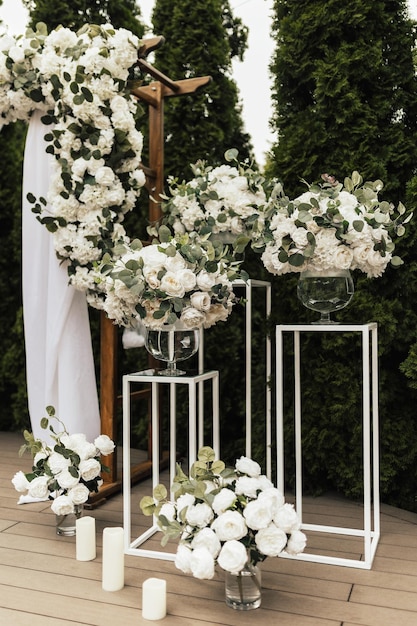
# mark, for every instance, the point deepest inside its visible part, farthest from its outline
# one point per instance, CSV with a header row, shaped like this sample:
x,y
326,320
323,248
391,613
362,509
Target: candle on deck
x,y
154,599
85,538
113,577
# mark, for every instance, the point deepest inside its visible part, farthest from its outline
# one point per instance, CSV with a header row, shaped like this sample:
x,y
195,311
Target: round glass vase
x,y
65,524
172,344
243,591
325,292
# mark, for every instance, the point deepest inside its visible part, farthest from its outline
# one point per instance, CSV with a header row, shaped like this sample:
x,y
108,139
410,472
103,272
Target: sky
x,y
251,75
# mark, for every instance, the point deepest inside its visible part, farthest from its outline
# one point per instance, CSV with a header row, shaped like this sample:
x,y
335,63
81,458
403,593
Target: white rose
x,y
247,486
287,519
207,538
199,515
230,525
183,558
172,286
192,318
274,496
38,487
104,444
183,502
200,300
105,176
62,505
79,494
169,511
270,540
258,514
90,469
206,281
202,564
296,543
223,500
57,463
244,465
233,556
20,482
66,480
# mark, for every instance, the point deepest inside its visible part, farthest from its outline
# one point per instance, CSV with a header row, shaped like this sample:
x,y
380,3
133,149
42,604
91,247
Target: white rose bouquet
x,y
176,279
334,226
230,517
66,473
226,203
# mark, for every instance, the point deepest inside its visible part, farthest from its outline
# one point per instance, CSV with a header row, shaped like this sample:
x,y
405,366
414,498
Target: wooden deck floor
x,y
42,584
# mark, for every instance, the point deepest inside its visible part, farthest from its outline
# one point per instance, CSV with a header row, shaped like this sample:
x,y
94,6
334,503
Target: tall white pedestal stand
x,y
371,504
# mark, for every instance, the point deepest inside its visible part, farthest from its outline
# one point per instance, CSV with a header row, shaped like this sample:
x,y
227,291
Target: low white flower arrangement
x,y
230,517
227,202
66,473
181,279
334,226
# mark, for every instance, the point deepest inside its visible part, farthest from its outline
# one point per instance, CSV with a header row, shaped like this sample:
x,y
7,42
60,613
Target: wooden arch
x,y
152,95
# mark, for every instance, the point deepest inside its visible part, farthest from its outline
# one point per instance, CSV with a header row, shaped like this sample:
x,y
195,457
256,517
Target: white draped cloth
x,y
59,357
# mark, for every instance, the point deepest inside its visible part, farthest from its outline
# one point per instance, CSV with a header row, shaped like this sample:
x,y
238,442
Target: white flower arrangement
x,y
230,517
181,279
66,473
225,202
335,227
81,82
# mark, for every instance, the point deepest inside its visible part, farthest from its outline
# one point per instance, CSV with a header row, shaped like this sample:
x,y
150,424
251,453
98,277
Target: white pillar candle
x,y
85,538
113,577
154,598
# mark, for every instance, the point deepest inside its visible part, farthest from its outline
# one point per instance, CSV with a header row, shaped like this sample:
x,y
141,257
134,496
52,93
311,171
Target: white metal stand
x,y
371,505
248,286
195,436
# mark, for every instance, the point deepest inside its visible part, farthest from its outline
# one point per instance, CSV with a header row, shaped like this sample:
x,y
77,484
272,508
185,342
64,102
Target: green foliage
x,y
120,13
344,91
201,40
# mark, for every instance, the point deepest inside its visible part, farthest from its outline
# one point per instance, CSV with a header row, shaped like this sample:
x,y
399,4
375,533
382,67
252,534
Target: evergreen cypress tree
x,y
201,39
345,98
120,13
345,91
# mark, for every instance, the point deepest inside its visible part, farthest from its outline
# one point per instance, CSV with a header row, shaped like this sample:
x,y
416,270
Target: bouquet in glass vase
x,y
231,517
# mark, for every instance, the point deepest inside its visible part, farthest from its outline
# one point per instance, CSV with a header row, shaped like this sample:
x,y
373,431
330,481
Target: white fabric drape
x,y
59,357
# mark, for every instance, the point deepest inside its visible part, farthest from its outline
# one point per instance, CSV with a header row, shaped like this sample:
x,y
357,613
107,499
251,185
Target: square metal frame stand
x,y
195,386
370,429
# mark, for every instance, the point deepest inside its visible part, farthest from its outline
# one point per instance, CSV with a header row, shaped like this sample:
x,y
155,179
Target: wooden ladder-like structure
x,y
153,95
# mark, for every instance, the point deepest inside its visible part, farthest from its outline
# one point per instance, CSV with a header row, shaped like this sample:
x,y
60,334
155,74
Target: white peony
x,y
183,559
199,515
20,482
244,465
62,505
230,525
90,469
104,444
207,538
258,513
79,494
223,500
271,540
296,543
38,487
233,556
202,563
286,518
66,480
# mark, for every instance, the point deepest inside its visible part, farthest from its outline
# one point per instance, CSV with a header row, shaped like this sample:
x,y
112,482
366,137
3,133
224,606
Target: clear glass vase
x,y
243,591
172,345
325,292
65,524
